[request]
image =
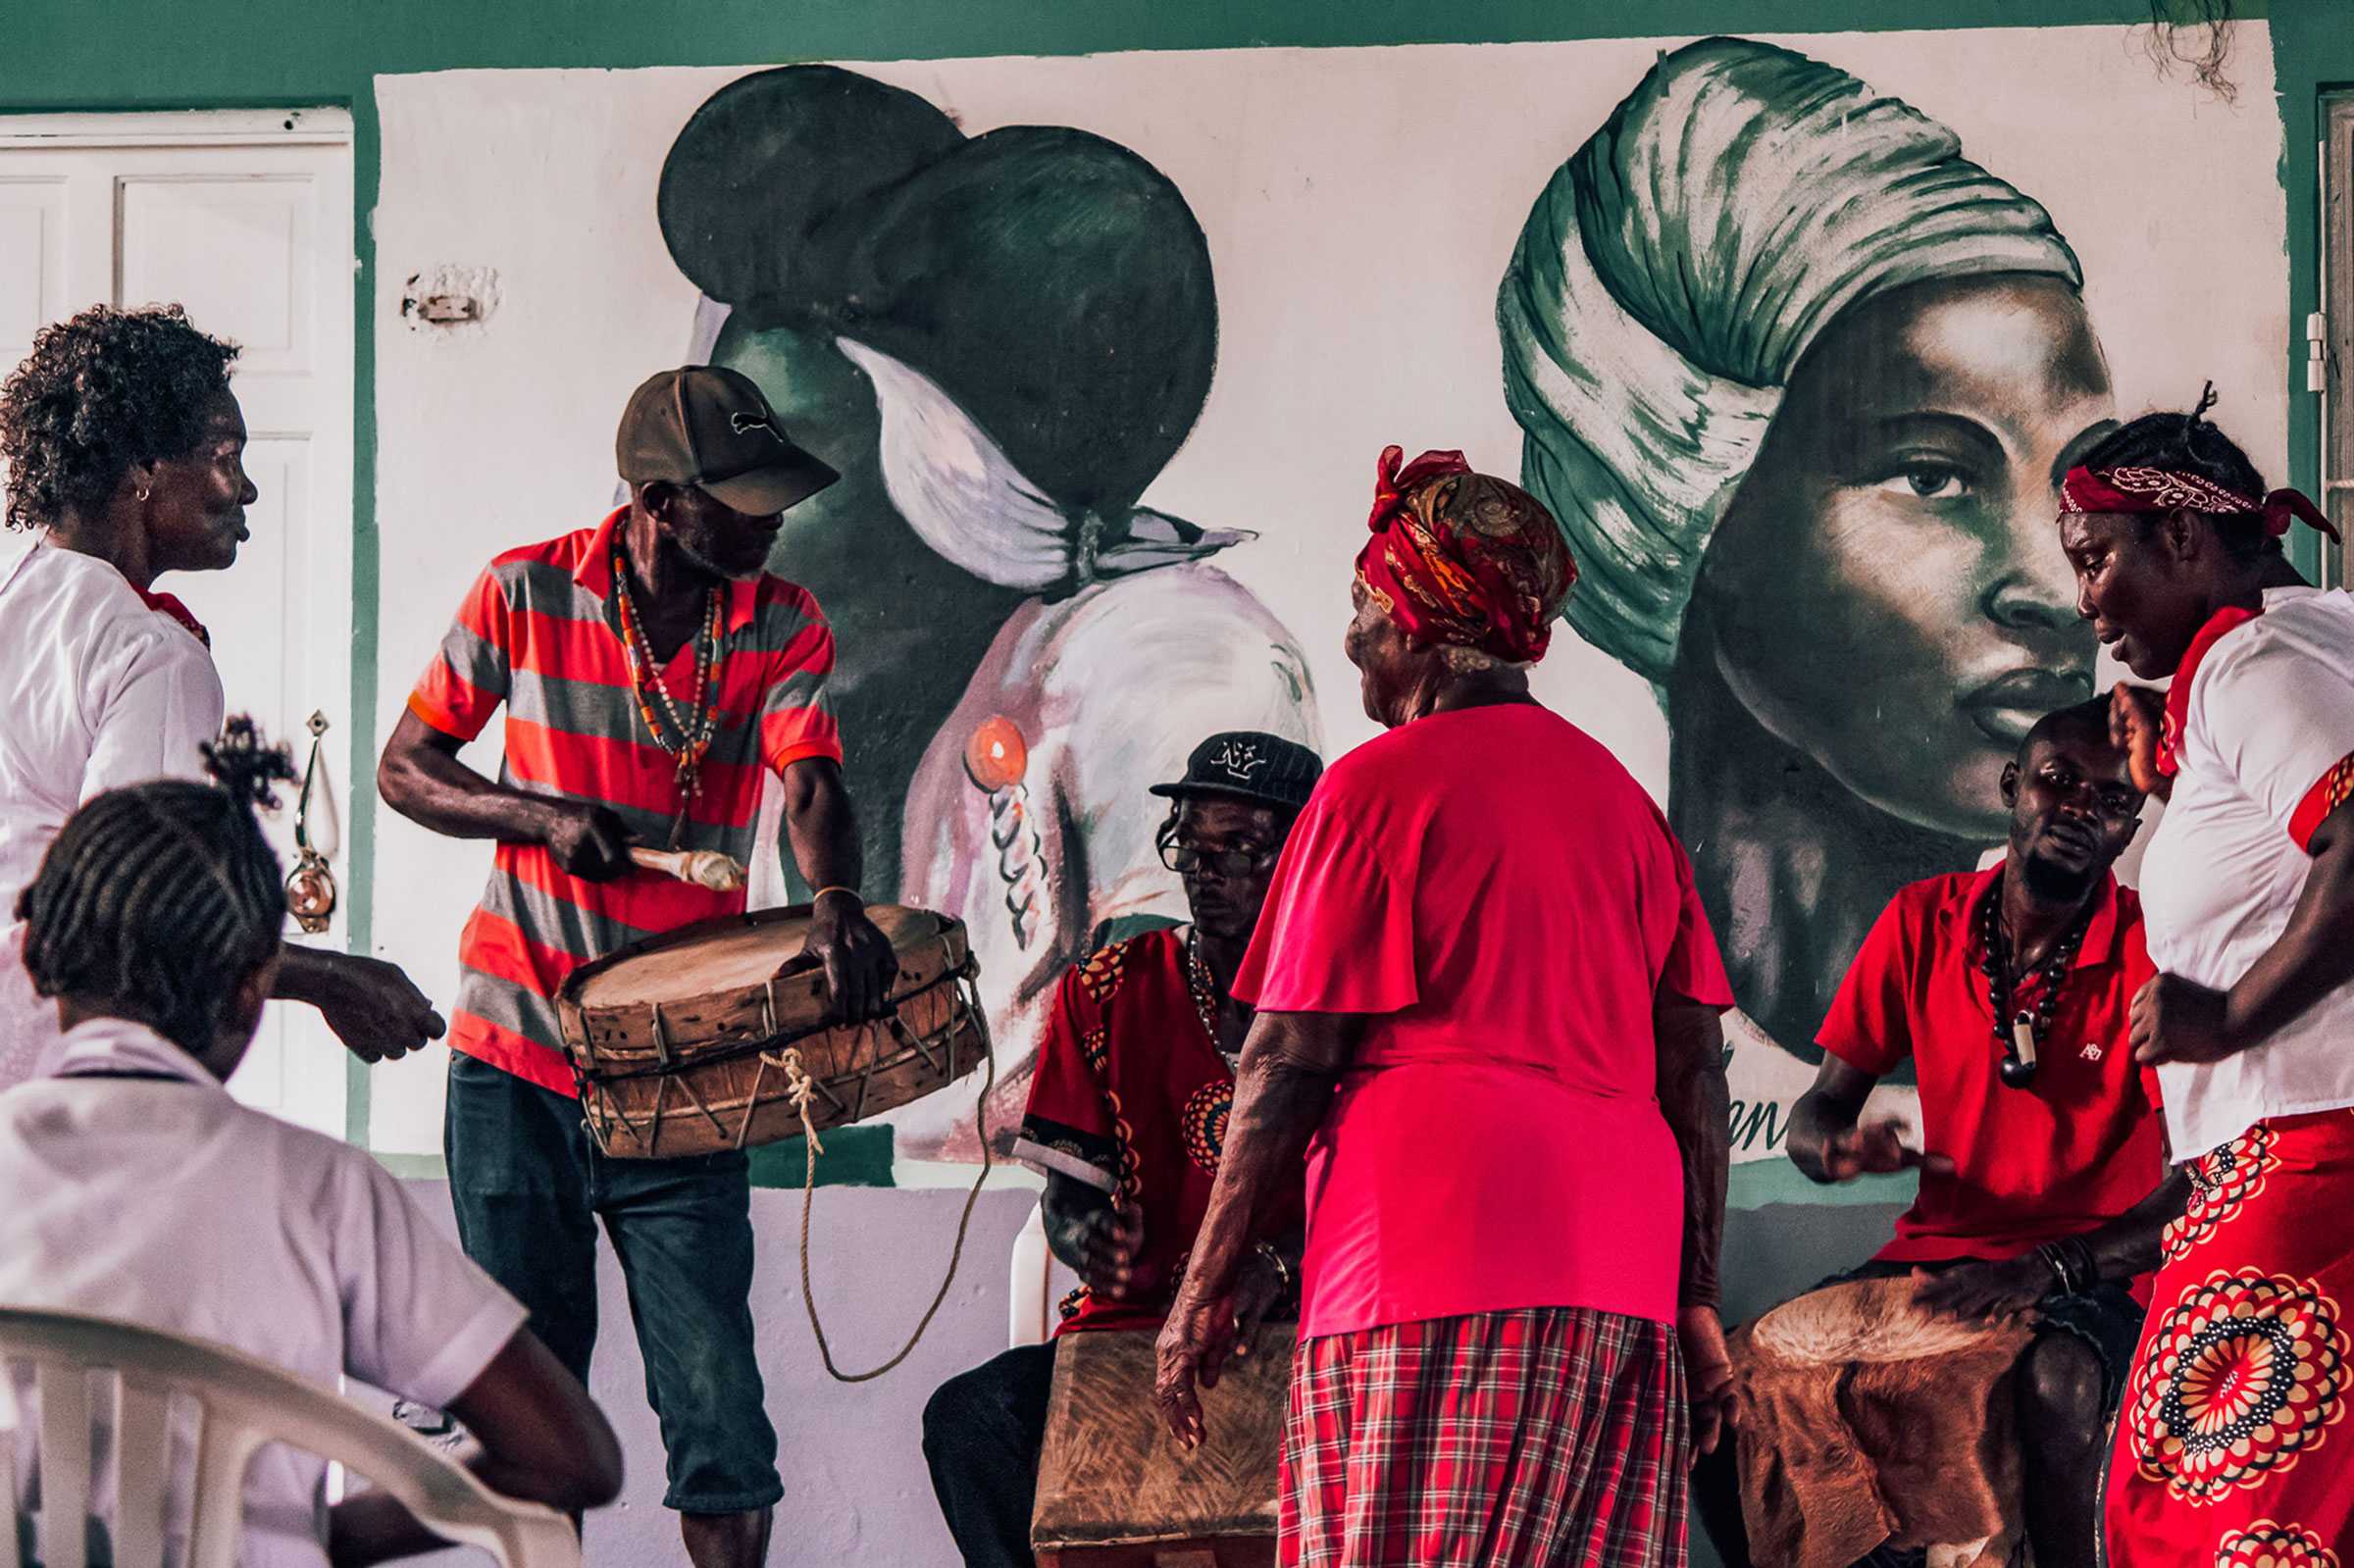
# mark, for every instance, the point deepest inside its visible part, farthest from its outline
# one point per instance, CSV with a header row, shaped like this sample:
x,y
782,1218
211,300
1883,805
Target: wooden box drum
x,y
1114,1491
679,1043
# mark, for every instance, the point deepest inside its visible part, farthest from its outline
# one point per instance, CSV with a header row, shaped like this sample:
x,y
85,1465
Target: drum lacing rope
x,y
804,1089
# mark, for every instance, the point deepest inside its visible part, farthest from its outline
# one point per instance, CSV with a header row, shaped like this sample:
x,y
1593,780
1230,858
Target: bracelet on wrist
x,y
1283,1270
823,894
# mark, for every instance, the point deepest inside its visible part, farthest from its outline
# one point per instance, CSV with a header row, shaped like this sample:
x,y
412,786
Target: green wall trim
x,y
1759,1182
414,1167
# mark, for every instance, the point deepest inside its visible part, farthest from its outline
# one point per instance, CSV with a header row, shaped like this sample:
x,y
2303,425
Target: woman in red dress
x,y
2232,1445
1488,1005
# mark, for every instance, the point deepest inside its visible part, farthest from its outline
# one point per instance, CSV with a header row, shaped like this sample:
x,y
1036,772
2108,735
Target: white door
x,y
245,219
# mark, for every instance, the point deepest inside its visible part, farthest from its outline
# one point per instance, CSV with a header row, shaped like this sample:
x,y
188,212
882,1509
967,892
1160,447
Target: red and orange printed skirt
x,y
2232,1445
1555,1434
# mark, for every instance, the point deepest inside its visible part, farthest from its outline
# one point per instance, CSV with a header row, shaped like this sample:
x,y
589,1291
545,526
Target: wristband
x,y
1283,1270
818,896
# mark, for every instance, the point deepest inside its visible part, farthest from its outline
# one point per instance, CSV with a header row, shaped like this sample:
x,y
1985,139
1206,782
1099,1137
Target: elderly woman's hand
x,y
1194,1342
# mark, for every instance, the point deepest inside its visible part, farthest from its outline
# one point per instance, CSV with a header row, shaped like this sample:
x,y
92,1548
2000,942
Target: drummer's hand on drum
x,y
588,842
1875,1148
1105,1244
858,960
1981,1292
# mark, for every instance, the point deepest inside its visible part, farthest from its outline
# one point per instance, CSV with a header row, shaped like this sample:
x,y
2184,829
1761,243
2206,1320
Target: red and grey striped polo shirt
x,y
541,631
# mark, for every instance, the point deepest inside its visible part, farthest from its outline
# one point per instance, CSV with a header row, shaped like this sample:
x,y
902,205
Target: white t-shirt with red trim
x,y
2266,751
99,689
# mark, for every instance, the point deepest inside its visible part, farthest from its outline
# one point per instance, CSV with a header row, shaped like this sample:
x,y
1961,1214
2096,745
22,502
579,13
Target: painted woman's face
x,y
1887,590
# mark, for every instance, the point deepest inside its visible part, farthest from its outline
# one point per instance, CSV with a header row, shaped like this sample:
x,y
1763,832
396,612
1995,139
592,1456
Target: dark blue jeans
x,y
529,1187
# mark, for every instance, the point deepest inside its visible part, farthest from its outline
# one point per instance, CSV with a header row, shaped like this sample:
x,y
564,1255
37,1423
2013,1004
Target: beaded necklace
x,y
2018,1035
1205,996
688,739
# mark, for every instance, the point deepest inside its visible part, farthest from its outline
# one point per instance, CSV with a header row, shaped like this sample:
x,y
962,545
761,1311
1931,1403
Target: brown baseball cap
x,y
708,427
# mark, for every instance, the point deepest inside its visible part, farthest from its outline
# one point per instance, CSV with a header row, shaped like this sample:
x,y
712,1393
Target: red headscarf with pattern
x,y
1463,559
2160,489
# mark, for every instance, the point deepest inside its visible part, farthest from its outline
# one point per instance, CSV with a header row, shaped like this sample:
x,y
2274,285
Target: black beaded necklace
x,y
2019,1034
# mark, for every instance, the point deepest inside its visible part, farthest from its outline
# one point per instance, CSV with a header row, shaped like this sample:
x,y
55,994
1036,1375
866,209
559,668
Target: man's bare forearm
x,y
2128,1244
821,825
422,779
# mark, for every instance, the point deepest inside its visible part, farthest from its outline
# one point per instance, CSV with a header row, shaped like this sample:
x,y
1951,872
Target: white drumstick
x,y
706,868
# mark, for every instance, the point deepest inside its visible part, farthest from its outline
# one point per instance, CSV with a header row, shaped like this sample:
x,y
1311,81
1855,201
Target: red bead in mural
x,y
2241,1377
997,756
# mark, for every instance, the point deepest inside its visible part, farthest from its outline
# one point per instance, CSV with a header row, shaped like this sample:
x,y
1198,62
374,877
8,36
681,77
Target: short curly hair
x,y
101,392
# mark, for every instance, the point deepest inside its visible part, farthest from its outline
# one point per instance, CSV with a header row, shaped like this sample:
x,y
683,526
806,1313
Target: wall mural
x,y
999,340
1799,381
1796,362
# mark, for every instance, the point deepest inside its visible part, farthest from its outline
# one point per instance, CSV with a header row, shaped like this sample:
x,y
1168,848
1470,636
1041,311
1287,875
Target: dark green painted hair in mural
x,y
1054,283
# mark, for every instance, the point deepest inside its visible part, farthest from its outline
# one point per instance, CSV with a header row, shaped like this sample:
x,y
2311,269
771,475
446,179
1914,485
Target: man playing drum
x,y
2043,1182
651,669
1126,1118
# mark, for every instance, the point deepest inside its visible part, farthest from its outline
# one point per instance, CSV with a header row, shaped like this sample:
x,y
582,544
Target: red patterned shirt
x,y
1131,1098
540,632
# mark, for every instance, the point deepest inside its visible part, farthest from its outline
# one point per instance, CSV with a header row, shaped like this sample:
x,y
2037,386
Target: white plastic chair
x,y
1030,1310
244,1404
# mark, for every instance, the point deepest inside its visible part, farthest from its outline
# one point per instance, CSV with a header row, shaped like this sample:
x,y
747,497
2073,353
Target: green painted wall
x,y
153,54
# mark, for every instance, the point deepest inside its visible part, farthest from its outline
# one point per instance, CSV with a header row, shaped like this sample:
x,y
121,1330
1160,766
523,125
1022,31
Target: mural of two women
x,y
1796,376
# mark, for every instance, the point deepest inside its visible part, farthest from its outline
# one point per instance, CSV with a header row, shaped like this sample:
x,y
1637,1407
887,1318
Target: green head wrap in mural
x,y
1674,272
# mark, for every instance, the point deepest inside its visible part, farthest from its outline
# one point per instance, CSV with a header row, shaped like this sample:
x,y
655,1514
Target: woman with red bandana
x,y
2232,1446
1488,1016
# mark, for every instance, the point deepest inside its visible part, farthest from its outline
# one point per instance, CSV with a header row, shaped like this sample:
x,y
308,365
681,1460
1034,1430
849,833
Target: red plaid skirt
x,y
1501,1439
2232,1446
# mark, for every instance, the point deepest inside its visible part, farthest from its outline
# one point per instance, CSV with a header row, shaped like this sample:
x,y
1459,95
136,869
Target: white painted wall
x,y
1336,337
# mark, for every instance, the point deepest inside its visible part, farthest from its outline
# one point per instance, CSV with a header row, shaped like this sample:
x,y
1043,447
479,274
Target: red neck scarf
x,y
1460,558
166,604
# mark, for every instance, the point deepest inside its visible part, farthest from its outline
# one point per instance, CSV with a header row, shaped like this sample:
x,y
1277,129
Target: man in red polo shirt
x,y
652,670
2043,1179
1126,1121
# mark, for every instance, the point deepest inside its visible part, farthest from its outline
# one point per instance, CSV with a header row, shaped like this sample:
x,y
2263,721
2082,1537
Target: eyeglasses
x,y
1187,860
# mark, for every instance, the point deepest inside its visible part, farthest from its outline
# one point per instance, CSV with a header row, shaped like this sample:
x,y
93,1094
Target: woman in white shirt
x,y
124,449
140,1190
2232,1446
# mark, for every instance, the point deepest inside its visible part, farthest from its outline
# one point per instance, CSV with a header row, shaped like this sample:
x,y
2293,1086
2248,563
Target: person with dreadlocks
x,y
2230,1446
1488,1006
123,447
140,1190
1126,1120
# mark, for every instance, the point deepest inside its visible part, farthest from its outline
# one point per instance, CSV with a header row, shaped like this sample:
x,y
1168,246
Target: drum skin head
x,y
693,1041
729,955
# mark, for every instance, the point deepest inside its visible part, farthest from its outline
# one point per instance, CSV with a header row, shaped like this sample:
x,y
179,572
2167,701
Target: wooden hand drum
x,y
1865,1421
680,1043
1114,1491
